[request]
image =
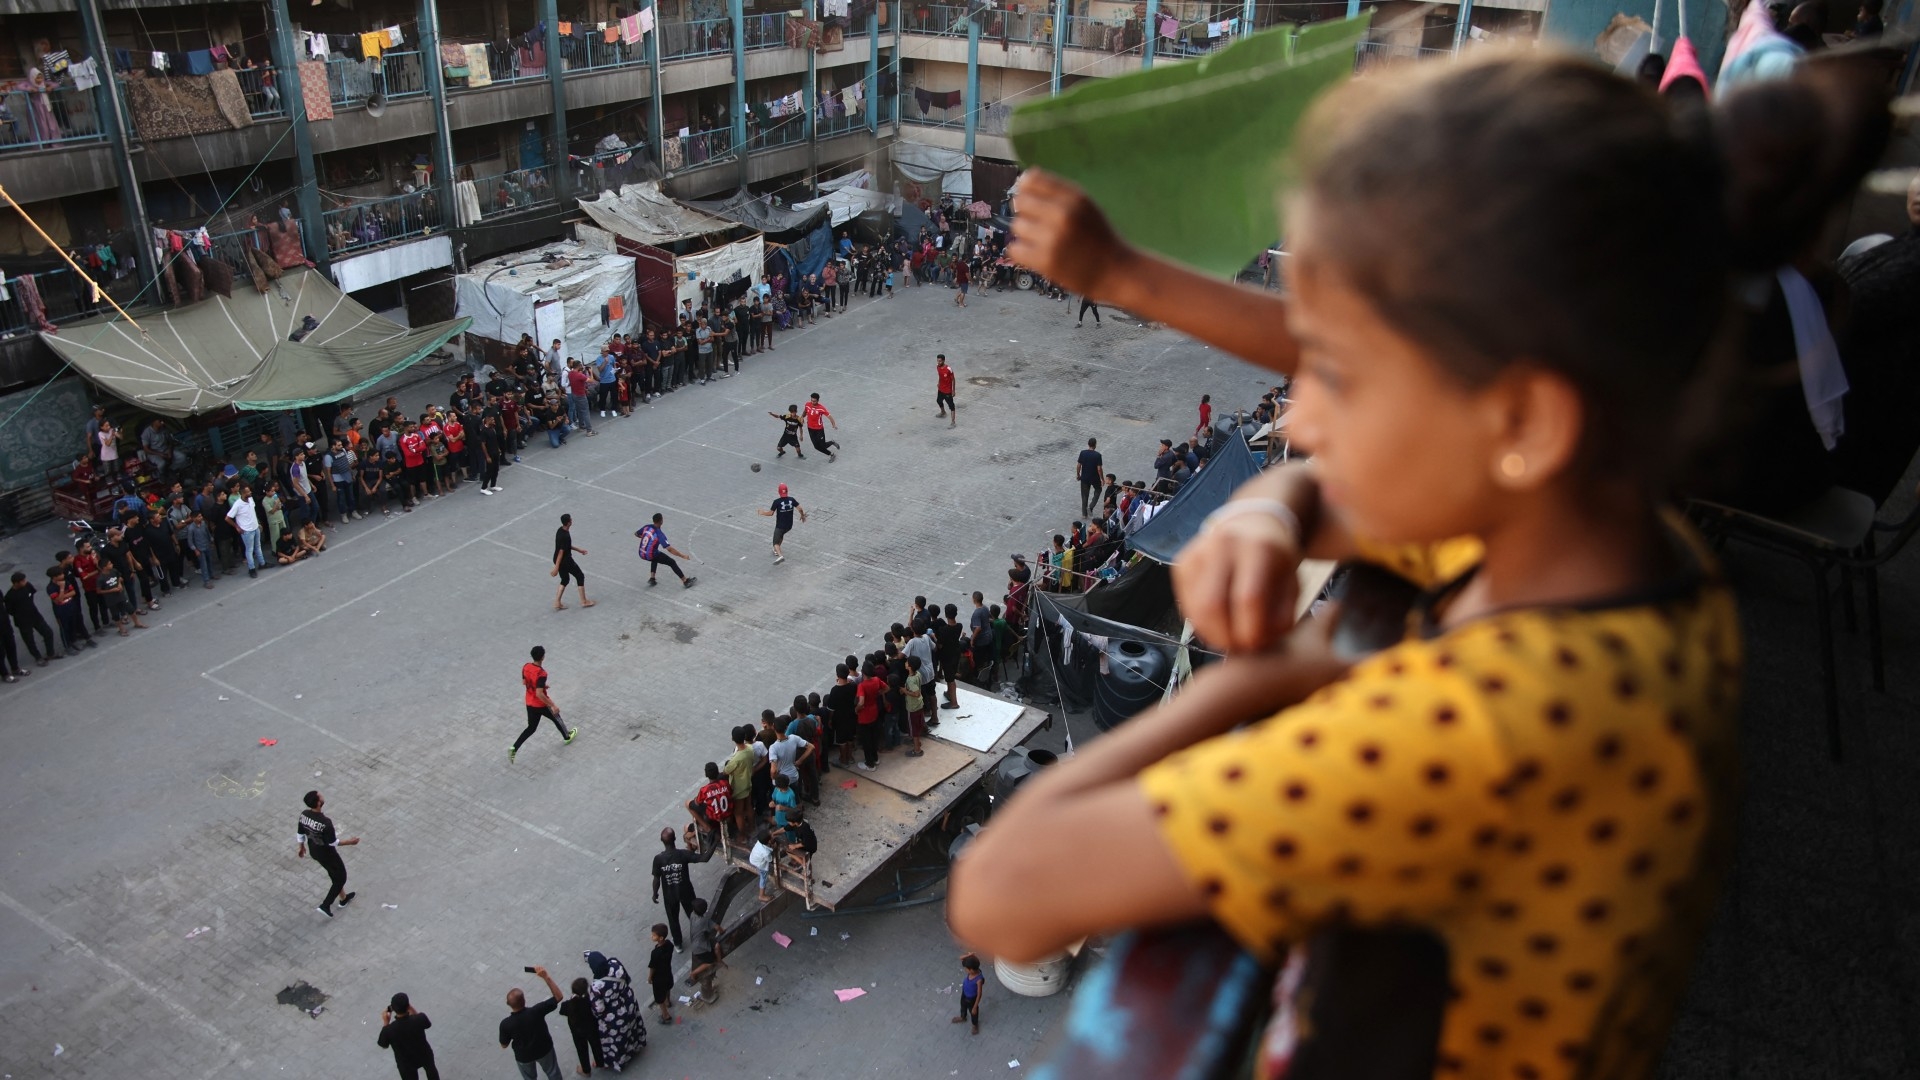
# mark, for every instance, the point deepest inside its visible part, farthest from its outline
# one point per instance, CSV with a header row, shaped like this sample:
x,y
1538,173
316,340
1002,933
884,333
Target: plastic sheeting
x,y
847,203
924,164
808,255
641,212
234,351
758,212
740,259
1180,519
514,295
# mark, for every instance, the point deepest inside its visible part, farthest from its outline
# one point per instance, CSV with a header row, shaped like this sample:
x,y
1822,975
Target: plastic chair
x,y
1837,531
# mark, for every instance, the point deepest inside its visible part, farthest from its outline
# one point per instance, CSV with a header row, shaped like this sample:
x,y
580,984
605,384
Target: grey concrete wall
x,y
49,174
498,105
356,127
700,74
621,86
164,158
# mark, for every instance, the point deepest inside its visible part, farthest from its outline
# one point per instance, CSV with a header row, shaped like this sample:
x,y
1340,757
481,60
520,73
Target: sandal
x,y
916,753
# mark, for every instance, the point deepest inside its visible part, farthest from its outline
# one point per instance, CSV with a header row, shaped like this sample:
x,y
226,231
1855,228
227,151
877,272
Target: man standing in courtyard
x,y
524,1030
782,512
318,839
657,551
673,882
540,704
1088,470
403,1029
943,393
817,417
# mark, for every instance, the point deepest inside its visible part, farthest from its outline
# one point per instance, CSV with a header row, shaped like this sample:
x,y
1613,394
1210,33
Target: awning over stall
x,y
641,212
1162,537
236,351
519,294
758,212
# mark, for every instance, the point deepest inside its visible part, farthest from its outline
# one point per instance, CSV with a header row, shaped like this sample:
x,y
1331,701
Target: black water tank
x,y
1136,678
1014,769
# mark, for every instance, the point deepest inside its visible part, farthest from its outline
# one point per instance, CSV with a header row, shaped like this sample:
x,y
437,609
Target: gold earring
x,y
1513,466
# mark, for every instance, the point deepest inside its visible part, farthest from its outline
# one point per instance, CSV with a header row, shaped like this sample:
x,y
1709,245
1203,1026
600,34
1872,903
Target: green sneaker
x,y
511,751
570,735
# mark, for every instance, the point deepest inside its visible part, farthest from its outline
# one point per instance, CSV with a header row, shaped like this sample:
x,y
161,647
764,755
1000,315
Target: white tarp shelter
x,y
949,170
559,290
677,248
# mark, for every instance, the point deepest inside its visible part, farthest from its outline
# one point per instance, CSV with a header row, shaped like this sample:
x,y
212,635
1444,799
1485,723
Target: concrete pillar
x,y
1246,17
1061,8
313,230
557,83
873,71
437,92
736,11
133,201
972,104
1462,22
1153,35
809,119
654,110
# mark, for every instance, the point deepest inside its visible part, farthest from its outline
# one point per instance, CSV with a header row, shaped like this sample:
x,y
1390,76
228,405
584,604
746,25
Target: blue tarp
x,y
1179,521
807,255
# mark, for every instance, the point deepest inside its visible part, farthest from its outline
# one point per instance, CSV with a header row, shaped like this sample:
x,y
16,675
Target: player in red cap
x,y
782,512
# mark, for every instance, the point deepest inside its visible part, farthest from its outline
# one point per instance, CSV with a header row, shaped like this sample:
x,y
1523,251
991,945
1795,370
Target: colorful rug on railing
x,y
174,106
314,91
229,100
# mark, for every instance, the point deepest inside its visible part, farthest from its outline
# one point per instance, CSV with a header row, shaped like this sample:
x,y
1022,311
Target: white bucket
x,y
1042,979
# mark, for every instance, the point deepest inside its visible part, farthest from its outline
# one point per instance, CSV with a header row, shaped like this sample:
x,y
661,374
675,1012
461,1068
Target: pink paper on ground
x,y
781,939
849,995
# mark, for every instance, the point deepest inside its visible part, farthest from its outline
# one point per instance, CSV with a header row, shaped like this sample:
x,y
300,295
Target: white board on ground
x,y
979,721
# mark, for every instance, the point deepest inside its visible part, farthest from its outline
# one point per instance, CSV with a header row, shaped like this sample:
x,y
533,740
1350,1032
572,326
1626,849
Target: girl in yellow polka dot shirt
x,y
1507,277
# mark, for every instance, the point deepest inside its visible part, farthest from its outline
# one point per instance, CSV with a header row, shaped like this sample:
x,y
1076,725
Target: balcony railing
x,y
1085,32
765,31
1381,52
943,20
825,126
935,116
66,297
369,223
395,75
1021,27
511,192
696,148
33,119
598,54
702,37
261,87
783,131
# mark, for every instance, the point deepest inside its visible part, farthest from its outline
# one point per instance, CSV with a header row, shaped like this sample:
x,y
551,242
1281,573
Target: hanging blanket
x,y
31,305
478,73
314,90
453,54
175,106
229,100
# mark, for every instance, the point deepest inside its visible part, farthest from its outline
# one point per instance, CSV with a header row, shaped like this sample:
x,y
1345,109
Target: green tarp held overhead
x,y
1218,129
234,351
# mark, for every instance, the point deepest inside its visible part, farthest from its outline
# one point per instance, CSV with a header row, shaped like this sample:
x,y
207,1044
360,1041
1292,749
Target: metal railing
x,y
1086,32
701,37
395,75
1023,27
765,31
697,148
517,190
1381,52
824,126
231,248
598,54
783,131
261,87
64,294
33,119
369,223
935,116
943,20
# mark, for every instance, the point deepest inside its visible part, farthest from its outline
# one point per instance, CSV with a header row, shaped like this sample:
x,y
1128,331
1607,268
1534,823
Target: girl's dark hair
x,y
1535,208
580,985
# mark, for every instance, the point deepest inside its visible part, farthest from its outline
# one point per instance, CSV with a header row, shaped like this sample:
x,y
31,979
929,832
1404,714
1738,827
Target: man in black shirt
x,y
403,1029
564,567
525,1030
946,634
791,436
318,838
782,512
164,549
670,870
26,615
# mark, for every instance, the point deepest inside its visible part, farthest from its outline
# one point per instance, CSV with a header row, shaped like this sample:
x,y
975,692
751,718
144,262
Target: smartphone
x,y
530,971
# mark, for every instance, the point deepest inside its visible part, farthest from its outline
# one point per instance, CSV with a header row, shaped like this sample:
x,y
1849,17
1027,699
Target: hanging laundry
x,y
123,59
314,93
200,62
923,99
955,98
54,64
566,29
31,305
317,46
630,31
646,21
372,43
220,54
5,292
159,62
1169,27
1233,25
610,34
1213,29
395,38
177,62
478,72
453,54
86,74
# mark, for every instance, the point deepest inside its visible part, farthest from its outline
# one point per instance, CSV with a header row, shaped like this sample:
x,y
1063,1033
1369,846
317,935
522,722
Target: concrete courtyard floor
x,y
139,806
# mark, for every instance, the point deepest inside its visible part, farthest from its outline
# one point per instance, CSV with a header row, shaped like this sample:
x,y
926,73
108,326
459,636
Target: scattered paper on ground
x,y
781,939
849,995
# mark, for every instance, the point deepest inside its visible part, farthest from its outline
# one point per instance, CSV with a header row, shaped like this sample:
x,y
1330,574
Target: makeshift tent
x,y
949,171
679,249
1113,668
1180,519
560,291
235,351
758,212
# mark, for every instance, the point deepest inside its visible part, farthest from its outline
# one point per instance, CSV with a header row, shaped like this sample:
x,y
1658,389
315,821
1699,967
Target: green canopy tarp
x,y
234,351
1216,129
